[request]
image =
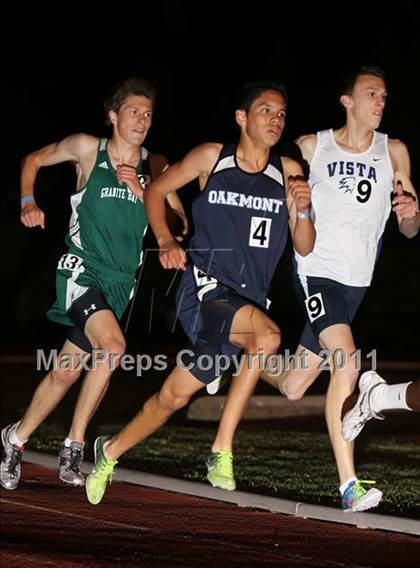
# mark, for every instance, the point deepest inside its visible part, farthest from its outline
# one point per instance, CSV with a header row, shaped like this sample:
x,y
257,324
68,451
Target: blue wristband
x,y
304,215
27,199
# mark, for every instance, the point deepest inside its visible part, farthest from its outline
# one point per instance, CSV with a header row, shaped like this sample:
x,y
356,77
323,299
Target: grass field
x,y
288,464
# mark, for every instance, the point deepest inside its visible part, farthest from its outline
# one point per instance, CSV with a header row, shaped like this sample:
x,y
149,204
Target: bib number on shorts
x,y
315,307
204,283
70,262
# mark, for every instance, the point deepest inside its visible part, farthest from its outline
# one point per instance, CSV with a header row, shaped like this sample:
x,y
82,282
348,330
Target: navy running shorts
x,y
325,303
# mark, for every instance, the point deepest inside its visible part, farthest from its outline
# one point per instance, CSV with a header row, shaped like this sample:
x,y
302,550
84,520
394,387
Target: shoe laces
x,y
15,459
358,488
224,463
367,413
106,467
76,457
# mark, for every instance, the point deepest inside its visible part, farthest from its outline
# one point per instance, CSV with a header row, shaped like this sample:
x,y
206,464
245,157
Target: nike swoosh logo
x,y
377,159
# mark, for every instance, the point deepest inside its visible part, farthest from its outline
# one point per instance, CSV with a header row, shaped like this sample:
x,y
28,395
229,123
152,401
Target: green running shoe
x,y
220,470
101,475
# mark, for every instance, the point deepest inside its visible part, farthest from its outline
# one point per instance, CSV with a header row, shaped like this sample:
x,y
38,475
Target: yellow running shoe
x,y
101,475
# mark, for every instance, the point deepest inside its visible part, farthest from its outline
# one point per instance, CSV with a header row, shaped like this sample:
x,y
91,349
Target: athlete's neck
x,y
251,159
121,153
353,139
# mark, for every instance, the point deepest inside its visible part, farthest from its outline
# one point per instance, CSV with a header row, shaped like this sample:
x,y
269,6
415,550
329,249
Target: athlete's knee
x,y
291,393
65,377
111,351
267,342
292,390
345,368
169,401
115,345
295,382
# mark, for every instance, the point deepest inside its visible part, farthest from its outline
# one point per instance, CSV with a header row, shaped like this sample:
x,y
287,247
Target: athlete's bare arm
x,y
405,205
298,194
176,205
196,164
79,149
307,145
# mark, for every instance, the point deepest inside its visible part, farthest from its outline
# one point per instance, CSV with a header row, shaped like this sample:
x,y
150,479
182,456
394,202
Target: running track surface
x,y
46,523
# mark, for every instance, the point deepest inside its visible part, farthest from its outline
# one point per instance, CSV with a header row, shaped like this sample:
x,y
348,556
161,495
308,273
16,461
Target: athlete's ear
x,y
346,101
112,117
240,117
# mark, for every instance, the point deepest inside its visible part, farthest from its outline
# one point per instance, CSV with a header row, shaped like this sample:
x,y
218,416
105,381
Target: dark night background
x,y
198,57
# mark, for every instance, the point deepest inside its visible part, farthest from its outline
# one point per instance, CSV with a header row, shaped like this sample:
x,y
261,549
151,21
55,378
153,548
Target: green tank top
x,y
108,222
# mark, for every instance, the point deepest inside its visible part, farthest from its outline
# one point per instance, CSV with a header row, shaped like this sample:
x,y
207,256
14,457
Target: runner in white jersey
x,y
353,171
351,206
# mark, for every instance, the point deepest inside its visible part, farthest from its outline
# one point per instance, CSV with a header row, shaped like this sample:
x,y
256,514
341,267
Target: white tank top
x,y
351,204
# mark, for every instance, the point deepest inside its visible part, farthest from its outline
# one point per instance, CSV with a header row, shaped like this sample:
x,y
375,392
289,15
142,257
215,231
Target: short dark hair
x,y
121,91
251,91
349,80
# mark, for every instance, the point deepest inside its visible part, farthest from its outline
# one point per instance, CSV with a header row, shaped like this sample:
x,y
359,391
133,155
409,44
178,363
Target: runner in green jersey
x,y
96,277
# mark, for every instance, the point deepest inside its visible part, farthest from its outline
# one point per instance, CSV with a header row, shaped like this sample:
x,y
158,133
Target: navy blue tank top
x,y
241,225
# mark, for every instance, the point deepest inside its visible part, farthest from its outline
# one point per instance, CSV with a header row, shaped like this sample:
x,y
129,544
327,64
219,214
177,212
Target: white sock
x,y
68,442
389,397
104,449
13,439
346,484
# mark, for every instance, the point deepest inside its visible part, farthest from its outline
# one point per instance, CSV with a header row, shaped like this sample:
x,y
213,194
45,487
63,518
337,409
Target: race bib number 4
x,y
259,235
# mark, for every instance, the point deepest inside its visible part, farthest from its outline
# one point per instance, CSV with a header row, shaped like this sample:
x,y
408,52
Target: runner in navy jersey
x,y
249,199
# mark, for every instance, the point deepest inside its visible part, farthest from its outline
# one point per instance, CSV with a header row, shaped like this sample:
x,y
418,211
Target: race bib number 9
x,y
315,307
